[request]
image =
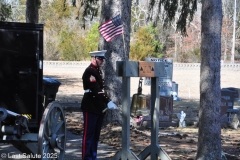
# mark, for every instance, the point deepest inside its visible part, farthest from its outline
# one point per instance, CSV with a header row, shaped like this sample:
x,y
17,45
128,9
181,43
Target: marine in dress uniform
x,y
94,104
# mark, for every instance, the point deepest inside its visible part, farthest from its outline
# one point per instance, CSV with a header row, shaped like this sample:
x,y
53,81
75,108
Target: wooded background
x,y
66,39
175,30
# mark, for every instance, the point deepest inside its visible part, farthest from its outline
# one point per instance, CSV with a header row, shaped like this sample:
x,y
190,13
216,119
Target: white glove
x,y
111,105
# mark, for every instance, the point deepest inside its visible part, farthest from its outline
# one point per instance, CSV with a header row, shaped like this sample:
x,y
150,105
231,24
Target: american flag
x,y
111,28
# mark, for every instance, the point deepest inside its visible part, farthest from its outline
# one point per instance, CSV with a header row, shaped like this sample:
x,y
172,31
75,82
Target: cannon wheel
x,y
52,133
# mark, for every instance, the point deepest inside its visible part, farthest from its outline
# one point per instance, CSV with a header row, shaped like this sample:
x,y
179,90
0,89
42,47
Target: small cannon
x,y
50,140
12,123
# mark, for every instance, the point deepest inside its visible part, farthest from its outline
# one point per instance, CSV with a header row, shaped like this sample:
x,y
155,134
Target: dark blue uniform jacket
x,y
93,101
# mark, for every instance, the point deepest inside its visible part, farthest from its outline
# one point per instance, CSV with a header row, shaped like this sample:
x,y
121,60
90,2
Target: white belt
x,y
87,90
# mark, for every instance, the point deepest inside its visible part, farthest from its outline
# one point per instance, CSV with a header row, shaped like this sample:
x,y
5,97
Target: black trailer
x,y
28,120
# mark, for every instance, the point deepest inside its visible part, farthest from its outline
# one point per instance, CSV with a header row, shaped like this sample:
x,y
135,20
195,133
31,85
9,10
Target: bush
x,y
92,38
72,46
145,44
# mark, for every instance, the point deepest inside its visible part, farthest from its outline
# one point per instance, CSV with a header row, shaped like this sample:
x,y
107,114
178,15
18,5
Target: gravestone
x,y
228,95
165,113
235,91
166,109
224,108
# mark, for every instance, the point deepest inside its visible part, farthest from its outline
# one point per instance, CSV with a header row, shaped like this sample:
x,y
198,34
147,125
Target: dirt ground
x,y
179,143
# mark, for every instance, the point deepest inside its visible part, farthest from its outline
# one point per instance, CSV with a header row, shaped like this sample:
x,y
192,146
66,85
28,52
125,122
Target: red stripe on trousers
x,y
85,135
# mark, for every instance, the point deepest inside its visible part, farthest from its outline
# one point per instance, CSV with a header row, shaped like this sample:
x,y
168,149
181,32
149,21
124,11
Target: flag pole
x,y
124,46
123,37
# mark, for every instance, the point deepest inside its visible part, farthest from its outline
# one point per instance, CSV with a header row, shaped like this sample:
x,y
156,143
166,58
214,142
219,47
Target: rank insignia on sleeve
x,y
92,78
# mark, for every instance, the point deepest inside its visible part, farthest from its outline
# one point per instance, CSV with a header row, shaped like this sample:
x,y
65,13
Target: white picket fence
x,y
84,64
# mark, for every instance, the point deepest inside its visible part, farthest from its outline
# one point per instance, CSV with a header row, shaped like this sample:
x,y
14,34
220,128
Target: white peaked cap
x,y
98,54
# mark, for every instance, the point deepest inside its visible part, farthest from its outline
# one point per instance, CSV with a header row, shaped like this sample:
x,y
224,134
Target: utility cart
x,y
29,121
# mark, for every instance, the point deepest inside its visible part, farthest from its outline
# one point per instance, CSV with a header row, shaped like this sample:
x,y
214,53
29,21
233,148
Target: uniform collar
x,y
93,66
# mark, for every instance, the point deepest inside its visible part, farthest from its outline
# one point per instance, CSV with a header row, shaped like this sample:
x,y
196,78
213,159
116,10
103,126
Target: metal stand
x,y
126,70
154,149
125,152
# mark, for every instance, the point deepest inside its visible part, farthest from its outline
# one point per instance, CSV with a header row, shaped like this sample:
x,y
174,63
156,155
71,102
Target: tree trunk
x,y
209,140
32,11
117,50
